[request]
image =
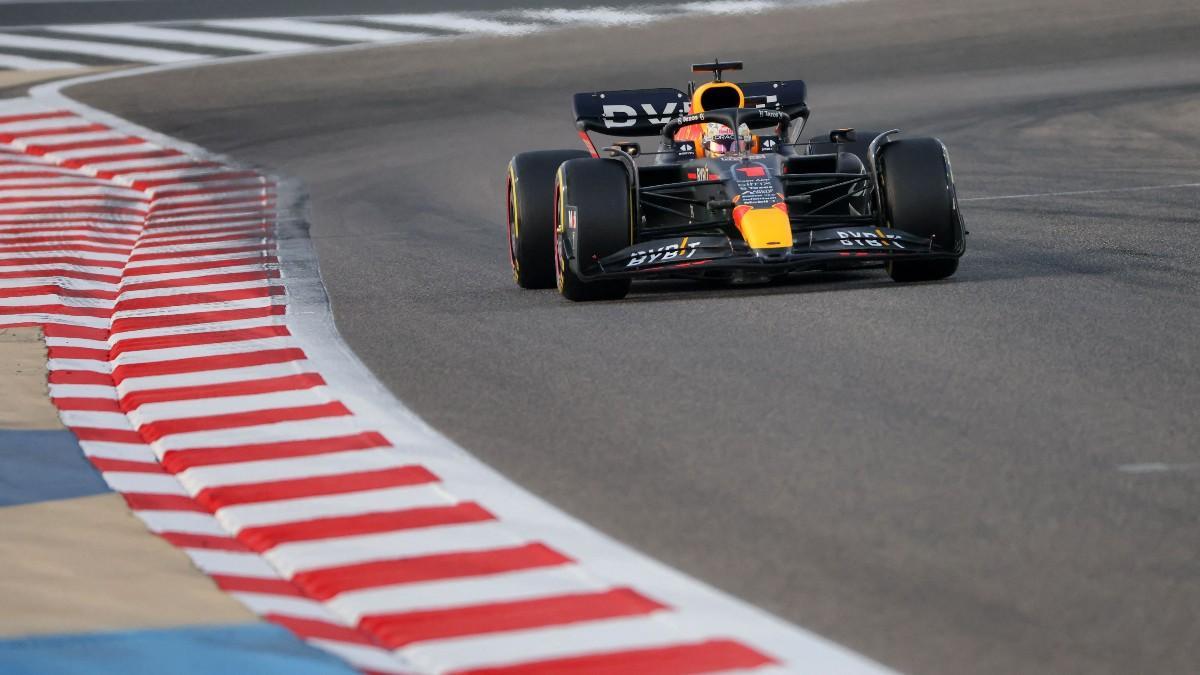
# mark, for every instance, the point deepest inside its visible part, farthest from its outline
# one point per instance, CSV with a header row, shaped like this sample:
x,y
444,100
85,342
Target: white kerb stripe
x,y
186,37
324,427
237,518
466,591
188,522
285,469
146,483
230,562
328,31
207,407
307,555
103,49
540,644
229,375
13,62
287,605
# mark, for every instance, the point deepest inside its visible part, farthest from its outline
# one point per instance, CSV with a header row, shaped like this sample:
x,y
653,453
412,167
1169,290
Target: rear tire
x,y
599,191
530,196
918,189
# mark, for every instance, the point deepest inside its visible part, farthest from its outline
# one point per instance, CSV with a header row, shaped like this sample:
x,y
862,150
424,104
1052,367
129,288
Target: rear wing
x,y
644,112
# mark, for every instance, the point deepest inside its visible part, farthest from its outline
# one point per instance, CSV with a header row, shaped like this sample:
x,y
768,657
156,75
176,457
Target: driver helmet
x,y
719,139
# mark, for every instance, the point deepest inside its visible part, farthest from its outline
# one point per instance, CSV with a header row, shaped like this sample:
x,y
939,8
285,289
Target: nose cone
x,y
766,228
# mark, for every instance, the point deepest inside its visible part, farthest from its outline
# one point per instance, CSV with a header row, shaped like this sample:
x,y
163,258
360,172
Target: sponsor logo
x,y
875,239
772,100
618,115
681,251
755,186
572,218
768,144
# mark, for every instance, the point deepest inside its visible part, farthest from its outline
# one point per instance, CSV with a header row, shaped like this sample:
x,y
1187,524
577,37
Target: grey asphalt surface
x,y
929,474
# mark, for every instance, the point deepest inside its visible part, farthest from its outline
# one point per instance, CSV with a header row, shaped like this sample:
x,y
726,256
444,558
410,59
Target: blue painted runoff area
x,y
40,465
207,650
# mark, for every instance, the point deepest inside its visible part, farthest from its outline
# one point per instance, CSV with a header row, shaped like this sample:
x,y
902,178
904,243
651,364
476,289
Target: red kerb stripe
x,y
203,363
193,339
270,536
152,502
154,431
701,657
144,322
105,464
231,583
252,493
398,630
181,460
209,541
329,582
323,630
134,400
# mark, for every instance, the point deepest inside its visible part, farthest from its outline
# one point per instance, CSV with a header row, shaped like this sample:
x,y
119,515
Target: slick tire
x,y
918,191
599,193
530,196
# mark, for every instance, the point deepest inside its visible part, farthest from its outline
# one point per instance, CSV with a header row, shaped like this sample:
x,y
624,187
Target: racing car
x,y
729,194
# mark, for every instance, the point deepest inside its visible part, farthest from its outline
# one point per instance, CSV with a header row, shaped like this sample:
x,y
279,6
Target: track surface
x,y
927,474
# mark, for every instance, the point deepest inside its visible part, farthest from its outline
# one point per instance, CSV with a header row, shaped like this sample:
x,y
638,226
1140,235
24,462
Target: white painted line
x,y
1072,193
328,31
14,62
1158,467
186,37
456,22
106,50
600,16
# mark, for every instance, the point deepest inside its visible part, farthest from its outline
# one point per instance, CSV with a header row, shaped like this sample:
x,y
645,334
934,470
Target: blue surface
x,y
40,465
209,650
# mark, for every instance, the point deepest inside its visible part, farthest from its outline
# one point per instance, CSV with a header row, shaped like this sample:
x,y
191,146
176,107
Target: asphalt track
x,y
993,474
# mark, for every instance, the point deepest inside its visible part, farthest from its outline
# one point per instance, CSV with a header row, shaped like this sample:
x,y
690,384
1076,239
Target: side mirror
x,y
842,136
631,148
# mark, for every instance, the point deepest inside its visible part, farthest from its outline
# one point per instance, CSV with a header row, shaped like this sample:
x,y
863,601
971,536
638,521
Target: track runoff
x,y
929,475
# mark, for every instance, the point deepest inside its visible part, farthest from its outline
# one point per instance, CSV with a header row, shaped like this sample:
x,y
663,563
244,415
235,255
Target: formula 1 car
x,y
723,201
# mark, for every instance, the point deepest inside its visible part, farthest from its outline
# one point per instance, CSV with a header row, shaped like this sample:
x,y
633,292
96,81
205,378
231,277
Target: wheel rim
x,y
513,230
559,261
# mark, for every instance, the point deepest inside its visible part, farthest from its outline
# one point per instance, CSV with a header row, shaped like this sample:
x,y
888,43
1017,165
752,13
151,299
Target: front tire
x,y
598,193
919,198
530,194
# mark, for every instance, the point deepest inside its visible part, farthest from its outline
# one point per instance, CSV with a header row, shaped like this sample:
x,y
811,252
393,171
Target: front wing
x,y
814,249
